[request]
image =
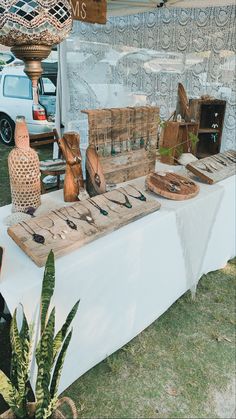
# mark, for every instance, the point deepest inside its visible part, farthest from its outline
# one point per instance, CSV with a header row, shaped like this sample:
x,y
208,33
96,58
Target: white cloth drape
x,y
128,278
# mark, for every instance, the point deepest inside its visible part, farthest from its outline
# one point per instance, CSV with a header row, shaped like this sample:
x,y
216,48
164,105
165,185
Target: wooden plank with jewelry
x,y
68,228
125,140
215,168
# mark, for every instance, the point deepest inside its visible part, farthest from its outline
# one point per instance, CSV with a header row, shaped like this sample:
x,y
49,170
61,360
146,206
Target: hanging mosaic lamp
x,y
31,28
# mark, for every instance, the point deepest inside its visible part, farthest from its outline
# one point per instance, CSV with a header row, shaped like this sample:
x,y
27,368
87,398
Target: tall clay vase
x,y
23,165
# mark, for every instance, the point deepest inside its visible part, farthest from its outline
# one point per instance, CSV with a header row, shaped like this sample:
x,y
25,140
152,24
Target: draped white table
x,y
127,279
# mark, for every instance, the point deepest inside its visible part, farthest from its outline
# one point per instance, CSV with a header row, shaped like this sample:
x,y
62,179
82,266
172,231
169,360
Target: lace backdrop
x,y
139,59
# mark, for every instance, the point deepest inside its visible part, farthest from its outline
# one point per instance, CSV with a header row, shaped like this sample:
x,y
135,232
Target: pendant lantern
x,y
31,28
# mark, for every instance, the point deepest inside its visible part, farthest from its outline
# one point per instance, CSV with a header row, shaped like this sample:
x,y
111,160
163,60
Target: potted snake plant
x,y
50,355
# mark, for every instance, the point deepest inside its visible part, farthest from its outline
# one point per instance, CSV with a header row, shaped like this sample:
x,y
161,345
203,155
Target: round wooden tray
x,y
171,185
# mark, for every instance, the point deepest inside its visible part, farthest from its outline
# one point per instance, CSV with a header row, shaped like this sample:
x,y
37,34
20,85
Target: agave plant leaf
x,y
47,289
44,359
25,344
64,330
18,365
58,367
7,389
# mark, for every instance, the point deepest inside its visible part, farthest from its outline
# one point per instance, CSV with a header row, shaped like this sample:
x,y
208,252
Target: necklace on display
x,y
222,162
102,211
232,160
141,196
70,223
54,236
97,178
37,238
83,217
76,155
126,204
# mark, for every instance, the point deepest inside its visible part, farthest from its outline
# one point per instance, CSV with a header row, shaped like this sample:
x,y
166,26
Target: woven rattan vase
x,y
23,164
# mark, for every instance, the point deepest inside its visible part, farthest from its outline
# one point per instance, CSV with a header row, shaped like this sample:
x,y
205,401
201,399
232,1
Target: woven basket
x,y
57,414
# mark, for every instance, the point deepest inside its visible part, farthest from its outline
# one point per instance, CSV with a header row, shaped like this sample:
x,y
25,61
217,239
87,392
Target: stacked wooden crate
x,y
125,140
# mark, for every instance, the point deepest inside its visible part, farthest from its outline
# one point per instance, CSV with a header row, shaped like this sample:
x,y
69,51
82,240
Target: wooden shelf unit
x,y
210,114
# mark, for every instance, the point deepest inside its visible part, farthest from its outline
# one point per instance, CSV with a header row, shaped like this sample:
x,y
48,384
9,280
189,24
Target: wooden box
x,y
125,140
210,115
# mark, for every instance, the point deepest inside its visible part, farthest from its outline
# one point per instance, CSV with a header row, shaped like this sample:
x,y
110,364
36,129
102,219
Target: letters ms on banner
x,y
93,11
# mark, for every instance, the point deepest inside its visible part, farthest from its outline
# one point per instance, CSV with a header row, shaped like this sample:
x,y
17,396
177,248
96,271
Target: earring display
x,y
171,185
214,168
69,228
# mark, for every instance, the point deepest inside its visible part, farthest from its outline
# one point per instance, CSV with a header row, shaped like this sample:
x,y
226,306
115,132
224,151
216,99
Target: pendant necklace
x,y
204,167
170,185
38,238
141,197
54,235
220,161
230,158
97,178
126,204
77,158
70,223
83,217
102,211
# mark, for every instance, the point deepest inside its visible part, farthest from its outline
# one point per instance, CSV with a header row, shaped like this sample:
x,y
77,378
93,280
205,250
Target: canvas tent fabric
x,y
140,59
126,7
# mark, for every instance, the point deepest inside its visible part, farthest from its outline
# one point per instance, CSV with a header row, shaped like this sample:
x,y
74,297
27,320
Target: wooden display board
x,y
62,239
125,140
214,168
92,11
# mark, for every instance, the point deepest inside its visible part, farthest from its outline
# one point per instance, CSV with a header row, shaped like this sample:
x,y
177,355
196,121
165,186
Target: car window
x,y
18,87
48,88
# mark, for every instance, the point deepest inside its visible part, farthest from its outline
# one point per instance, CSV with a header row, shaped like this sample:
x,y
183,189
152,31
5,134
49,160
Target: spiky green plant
x,y
50,355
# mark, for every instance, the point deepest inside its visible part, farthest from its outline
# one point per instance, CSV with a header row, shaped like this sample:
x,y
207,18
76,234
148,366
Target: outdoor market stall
x,y
129,277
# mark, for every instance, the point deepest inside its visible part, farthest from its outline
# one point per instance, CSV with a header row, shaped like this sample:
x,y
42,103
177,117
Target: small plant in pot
x,y
50,355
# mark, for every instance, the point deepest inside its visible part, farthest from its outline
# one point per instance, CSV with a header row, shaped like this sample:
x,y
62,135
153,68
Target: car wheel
x,y
7,127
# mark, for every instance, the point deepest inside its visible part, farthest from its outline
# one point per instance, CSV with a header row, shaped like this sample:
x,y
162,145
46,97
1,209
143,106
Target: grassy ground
x,y
179,367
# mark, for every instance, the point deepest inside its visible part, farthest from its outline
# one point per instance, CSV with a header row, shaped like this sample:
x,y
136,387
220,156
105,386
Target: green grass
x,y
174,368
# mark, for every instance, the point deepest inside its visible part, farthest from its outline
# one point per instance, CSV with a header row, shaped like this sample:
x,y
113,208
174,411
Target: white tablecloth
x,y
127,279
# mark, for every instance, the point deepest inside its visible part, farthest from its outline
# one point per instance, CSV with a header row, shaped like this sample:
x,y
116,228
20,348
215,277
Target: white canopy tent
x,y
126,7
142,53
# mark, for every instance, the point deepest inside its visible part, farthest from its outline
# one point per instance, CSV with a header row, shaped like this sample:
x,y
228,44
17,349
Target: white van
x,y
16,98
